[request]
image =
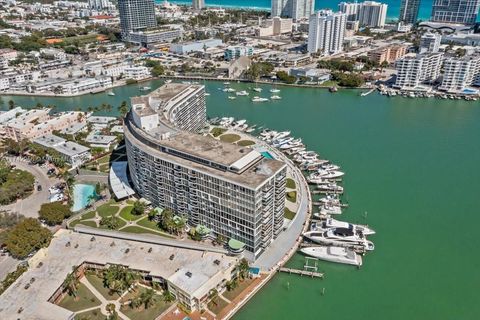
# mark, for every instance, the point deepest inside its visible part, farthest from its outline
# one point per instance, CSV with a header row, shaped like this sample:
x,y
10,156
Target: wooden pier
x,y
302,272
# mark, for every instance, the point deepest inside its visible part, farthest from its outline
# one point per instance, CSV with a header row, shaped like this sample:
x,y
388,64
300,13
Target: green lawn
x,y
137,229
230,137
242,285
88,215
73,223
152,225
133,294
121,224
292,196
126,213
217,305
288,214
97,282
94,314
85,299
217,131
106,210
92,224
146,314
291,183
245,143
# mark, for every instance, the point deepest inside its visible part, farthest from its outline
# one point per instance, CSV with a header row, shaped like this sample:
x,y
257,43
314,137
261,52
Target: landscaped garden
x,y
291,183
14,183
292,196
230,137
81,300
217,131
245,143
288,214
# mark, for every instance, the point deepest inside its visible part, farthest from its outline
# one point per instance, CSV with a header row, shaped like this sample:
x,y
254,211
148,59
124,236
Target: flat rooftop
x,y
59,259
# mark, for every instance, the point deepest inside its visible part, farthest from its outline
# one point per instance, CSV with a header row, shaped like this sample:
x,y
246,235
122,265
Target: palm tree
x,y
123,109
148,298
168,296
243,268
71,283
213,295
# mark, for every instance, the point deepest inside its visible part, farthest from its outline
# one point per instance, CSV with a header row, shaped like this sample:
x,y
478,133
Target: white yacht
x,y
226,83
145,88
330,174
242,93
332,223
111,93
334,254
207,94
168,81
232,97
257,89
331,187
228,90
274,90
330,209
259,99
339,237
330,167
275,97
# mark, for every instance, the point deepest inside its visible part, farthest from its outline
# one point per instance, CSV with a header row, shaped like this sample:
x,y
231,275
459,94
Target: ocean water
x,y
392,12
411,164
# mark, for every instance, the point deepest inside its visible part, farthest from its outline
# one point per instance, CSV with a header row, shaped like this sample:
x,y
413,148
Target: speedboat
x,y
331,187
228,90
275,97
168,81
226,83
145,88
257,89
242,93
207,94
258,99
274,90
232,97
332,223
334,254
330,167
111,93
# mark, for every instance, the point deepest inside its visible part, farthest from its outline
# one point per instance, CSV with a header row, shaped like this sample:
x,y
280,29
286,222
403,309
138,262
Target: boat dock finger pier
x,y
309,270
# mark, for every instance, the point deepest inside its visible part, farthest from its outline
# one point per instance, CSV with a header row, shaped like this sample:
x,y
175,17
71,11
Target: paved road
x,y
30,206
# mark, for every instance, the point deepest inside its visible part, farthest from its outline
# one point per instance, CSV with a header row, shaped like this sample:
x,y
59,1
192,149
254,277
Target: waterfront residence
x,y
100,141
233,191
189,274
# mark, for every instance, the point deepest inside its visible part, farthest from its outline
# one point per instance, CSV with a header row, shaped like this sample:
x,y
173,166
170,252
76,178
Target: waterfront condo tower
x,y
326,31
198,4
136,15
409,11
455,11
368,13
233,191
295,9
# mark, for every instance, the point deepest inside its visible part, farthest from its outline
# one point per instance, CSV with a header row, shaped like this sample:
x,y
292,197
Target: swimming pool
x,y
81,193
267,155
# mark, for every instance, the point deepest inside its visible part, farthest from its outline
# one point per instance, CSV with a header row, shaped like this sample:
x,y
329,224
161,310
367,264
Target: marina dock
x,y
302,272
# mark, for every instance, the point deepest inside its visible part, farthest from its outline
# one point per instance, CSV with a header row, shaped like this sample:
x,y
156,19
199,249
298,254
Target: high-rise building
x,y
136,15
413,70
295,9
372,14
430,42
460,73
351,9
409,11
326,31
368,13
198,4
455,11
230,190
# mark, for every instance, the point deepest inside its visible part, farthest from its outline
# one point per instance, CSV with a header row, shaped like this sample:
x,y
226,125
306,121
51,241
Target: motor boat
x,y
274,90
334,254
332,223
259,99
257,89
168,81
339,237
317,180
330,174
111,93
242,93
331,187
232,97
145,88
327,209
228,90
275,97
330,167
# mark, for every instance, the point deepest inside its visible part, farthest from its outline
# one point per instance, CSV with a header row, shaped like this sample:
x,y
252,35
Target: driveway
x,y
30,206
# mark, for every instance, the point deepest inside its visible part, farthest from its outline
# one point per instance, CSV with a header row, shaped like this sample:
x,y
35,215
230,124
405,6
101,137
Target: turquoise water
x,y
81,194
392,12
411,164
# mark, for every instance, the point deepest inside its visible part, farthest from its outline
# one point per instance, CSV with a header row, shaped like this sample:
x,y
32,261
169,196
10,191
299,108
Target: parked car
x,y
39,187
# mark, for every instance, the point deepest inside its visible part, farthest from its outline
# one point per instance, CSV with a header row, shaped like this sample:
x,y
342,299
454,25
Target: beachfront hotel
x,y
231,190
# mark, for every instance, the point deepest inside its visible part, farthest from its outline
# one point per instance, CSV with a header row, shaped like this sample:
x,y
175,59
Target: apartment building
x,y
72,153
295,9
326,32
409,11
136,72
368,13
275,27
460,73
455,11
430,42
413,70
234,191
232,53
387,54
136,15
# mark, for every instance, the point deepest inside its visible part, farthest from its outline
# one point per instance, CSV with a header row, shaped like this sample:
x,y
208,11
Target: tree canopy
x,y
54,213
27,236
